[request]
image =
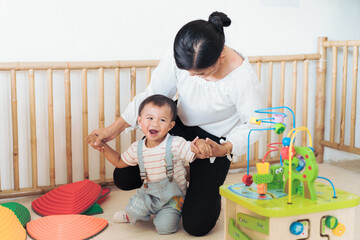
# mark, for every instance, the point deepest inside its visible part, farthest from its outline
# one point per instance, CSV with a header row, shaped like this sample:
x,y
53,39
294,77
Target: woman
x,y
217,95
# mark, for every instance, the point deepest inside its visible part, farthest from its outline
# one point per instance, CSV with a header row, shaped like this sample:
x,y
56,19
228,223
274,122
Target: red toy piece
x,y
247,180
285,153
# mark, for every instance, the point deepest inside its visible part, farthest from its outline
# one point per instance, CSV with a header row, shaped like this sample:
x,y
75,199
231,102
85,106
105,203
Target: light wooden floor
x,y
344,179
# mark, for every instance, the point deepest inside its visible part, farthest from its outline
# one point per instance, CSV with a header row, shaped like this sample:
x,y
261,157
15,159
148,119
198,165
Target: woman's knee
x,y
127,178
200,220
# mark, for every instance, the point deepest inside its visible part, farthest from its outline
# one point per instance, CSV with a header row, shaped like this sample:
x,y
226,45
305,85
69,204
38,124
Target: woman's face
x,y
206,73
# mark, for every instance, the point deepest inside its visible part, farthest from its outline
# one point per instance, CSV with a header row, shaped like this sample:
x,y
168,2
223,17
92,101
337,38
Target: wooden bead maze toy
x,y
284,201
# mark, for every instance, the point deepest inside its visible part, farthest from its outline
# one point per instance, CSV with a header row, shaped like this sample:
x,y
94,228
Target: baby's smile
x,y
153,132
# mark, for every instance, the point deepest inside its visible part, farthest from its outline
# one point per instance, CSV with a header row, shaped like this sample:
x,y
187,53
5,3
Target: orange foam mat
x,y
70,227
10,226
72,198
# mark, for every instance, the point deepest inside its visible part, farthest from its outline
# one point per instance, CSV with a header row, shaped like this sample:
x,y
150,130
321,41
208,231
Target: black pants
x,y
202,203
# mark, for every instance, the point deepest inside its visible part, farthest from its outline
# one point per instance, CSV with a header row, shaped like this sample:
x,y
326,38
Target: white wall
x,y
86,30
63,30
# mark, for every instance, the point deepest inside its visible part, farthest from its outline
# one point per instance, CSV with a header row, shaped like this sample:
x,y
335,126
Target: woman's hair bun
x,y
219,19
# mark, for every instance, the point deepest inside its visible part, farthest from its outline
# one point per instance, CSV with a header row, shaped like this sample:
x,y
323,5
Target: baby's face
x,y
155,123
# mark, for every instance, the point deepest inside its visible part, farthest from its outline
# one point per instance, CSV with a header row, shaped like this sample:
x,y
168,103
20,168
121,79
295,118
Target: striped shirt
x,y
154,159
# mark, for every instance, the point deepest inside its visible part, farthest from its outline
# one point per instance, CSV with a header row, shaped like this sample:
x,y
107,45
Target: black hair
x,y
160,100
199,43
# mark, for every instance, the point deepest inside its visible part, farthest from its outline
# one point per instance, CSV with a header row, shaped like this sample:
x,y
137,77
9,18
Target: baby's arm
x,y
111,155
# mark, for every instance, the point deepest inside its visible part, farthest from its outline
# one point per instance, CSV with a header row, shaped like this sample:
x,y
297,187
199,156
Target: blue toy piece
x,y
301,164
296,228
286,141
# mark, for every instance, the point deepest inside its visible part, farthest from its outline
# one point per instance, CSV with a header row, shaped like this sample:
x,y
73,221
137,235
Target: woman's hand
x,y
103,135
201,148
218,150
98,136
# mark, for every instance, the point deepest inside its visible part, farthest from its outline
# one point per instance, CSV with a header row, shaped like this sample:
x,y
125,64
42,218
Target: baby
x,y
161,158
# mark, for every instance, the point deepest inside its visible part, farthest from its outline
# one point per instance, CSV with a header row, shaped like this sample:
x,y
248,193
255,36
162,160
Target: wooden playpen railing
x,y
338,123
265,68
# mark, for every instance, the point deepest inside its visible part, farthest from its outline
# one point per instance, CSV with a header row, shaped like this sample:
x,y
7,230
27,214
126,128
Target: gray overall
x,y
160,198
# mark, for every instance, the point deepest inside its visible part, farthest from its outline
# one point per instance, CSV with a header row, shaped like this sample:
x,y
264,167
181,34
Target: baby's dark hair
x,y
199,43
160,100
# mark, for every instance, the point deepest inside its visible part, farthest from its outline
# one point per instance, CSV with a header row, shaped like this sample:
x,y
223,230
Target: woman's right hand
x,y
98,136
103,135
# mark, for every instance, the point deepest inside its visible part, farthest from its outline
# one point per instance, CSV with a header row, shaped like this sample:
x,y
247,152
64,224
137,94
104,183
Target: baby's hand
x,y
201,148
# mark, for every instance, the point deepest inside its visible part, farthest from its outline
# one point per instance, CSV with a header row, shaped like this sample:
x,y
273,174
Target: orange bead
x,y
262,188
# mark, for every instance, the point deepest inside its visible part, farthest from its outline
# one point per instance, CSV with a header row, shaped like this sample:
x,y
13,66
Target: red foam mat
x,y
104,194
69,227
72,198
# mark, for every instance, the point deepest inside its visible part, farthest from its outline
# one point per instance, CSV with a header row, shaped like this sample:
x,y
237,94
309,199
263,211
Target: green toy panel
x,y
279,207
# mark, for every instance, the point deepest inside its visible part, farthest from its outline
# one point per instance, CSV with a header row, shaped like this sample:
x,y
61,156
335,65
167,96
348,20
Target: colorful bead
x,y
286,141
331,222
247,180
296,228
279,128
339,230
278,118
255,120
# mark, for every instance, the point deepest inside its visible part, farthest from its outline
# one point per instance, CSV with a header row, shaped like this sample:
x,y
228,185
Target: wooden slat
x,y
343,96
135,63
269,100
284,58
256,144
349,43
117,106
243,158
85,122
68,126
294,90
282,85
282,93
77,65
353,96
305,99
133,94
15,135
320,100
101,119
24,192
341,147
51,127
333,94
148,76
33,129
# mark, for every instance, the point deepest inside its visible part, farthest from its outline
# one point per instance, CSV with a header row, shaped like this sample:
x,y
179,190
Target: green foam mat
x,y
95,209
21,212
